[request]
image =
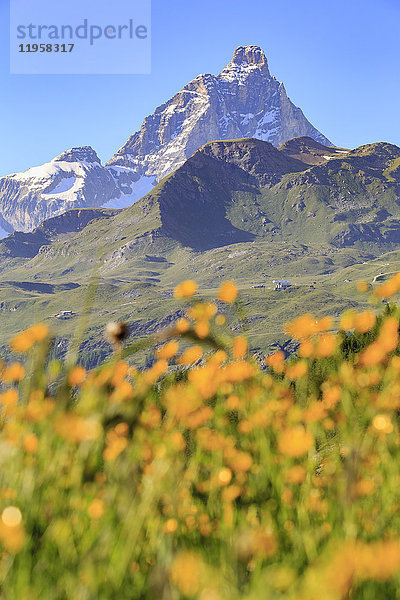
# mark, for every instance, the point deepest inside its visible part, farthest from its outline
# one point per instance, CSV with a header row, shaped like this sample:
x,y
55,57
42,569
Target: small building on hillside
x,y
65,314
281,285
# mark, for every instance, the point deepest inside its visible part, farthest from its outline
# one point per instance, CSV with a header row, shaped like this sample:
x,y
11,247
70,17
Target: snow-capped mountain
x,y
75,179
244,100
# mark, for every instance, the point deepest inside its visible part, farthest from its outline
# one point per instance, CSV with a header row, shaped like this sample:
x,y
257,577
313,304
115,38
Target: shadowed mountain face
x,y
27,245
247,189
243,190
195,202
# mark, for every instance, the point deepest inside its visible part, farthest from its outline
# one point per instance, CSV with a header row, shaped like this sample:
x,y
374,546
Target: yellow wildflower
x,y
187,573
224,476
96,509
382,424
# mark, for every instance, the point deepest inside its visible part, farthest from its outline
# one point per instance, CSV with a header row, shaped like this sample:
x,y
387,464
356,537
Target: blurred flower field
x,y
207,476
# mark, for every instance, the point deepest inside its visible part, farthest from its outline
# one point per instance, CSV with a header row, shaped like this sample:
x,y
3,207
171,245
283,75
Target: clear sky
x,y
339,60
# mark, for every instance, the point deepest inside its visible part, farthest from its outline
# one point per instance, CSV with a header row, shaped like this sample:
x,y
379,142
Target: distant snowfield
x,y
143,186
51,169
69,175
66,185
3,233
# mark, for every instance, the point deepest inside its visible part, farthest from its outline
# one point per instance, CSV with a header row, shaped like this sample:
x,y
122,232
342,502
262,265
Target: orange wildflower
x,y
30,443
239,347
297,370
315,412
220,320
295,441
9,398
77,376
347,321
325,346
121,370
228,292
302,327
295,475
14,373
182,325
202,329
364,321
12,533
190,355
170,526
186,289
76,429
306,349
23,341
275,361
224,476
168,350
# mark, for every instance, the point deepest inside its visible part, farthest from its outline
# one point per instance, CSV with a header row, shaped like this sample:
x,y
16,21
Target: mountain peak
x,y
82,154
246,60
252,55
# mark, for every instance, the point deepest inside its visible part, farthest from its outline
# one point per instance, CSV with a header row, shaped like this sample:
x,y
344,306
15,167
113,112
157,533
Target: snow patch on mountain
x,y
136,191
3,233
74,179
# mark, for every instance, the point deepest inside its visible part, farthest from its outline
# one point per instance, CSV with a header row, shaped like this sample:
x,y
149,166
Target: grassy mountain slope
x,y
240,210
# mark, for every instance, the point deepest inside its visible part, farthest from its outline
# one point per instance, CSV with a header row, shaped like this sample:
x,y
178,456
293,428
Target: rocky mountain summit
x,y
243,101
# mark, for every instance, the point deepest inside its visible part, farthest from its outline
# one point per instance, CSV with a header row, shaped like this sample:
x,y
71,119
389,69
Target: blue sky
x,y
340,62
